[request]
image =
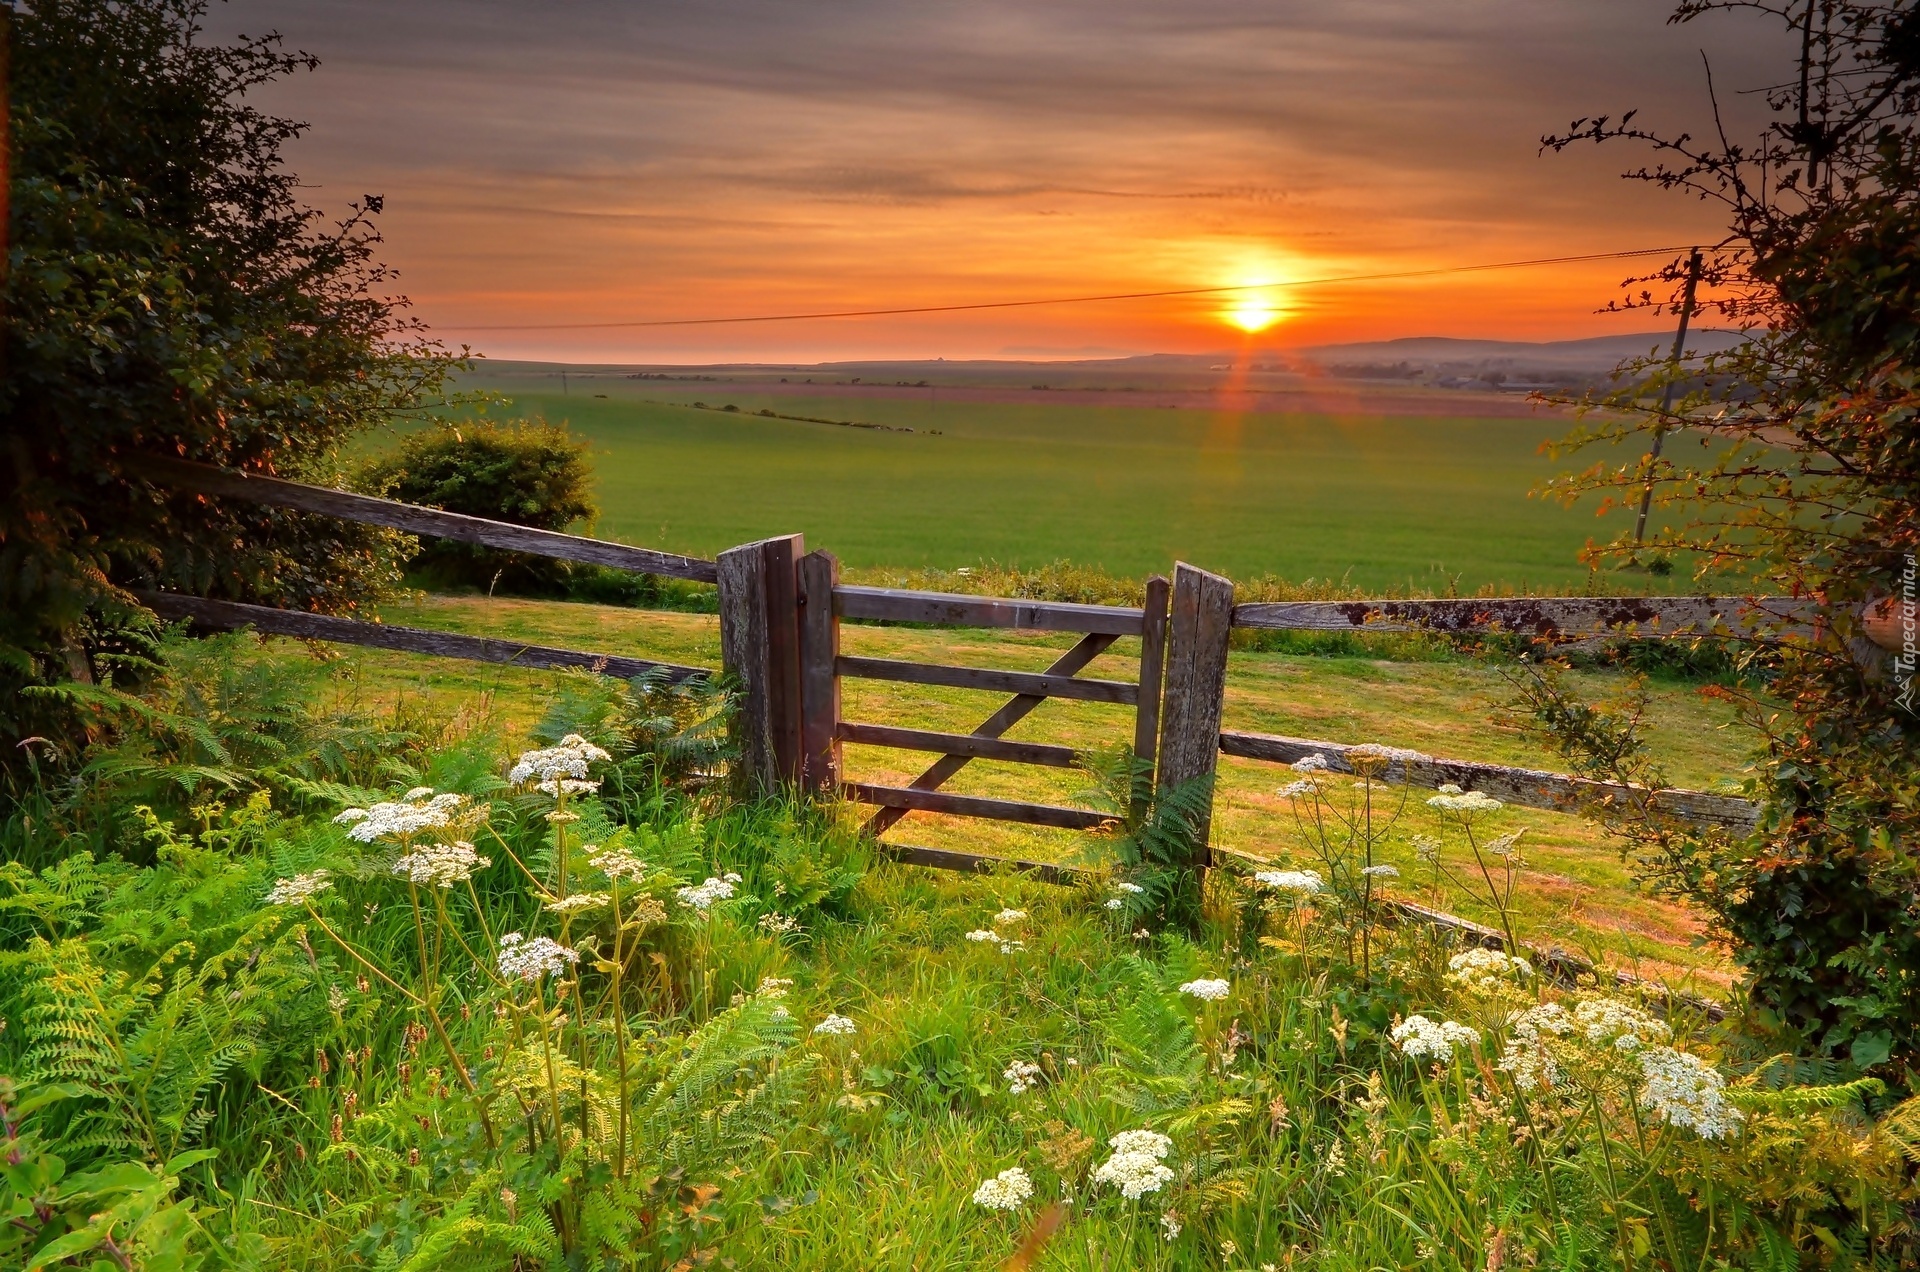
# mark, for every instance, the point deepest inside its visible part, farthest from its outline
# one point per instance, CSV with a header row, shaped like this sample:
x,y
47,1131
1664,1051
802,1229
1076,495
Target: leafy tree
x,y
1796,458
527,472
168,293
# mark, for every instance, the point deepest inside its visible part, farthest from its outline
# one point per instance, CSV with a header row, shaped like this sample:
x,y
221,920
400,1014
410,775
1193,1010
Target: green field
x,y
1383,501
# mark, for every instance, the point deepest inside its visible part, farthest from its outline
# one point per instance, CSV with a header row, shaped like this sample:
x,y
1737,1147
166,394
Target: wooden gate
x,y
784,607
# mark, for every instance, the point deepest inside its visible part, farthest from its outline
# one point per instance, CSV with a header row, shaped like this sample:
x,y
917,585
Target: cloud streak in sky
x,y
597,160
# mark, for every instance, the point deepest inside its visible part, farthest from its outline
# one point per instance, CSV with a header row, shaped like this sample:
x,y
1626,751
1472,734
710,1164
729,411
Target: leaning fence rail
x,y
780,611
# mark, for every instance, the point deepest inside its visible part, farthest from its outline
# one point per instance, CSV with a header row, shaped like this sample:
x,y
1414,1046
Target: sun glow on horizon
x,y
1253,315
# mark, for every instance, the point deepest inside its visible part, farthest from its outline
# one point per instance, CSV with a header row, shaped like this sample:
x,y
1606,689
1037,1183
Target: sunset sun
x,y
1253,315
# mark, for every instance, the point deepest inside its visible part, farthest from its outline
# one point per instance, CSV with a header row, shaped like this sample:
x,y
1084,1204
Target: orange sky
x,y
603,161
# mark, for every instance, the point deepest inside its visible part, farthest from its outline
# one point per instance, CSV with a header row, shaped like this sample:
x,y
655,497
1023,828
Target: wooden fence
x,y
780,613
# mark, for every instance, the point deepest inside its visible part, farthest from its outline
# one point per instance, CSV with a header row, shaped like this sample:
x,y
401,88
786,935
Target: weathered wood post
x,y
1196,685
819,681
1153,666
760,646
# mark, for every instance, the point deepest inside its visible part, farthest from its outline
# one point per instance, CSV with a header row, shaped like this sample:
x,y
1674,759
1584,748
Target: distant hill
x,y
1596,354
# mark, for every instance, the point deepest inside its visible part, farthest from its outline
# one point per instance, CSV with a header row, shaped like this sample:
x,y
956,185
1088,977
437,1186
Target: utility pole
x,y
1666,398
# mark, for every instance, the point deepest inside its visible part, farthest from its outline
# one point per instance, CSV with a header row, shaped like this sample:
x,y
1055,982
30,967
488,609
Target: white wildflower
x,y
1374,752
566,786
529,960
299,889
1131,889
1315,763
835,1024
1207,990
1009,947
777,924
733,876
1610,1022
1169,1226
1528,1055
1686,1091
1009,916
1417,1036
1466,804
402,819
1298,790
1503,846
1008,1190
1486,971
1135,1167
1022,1076
618,863
441,865
1427,848
1449,788
336,999
1291,880
981,934
1381,872
568,760
704,895
579,903
1115,903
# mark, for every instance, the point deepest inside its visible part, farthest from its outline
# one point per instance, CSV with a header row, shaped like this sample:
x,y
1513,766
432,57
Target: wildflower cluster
x,y
1022,1076
579,903
1291,880
559,769
1684,1090
1464,803
441,865
299,889
1008,1190
1487,971
530,960
1136,1167
835,1024
416,811
1610,1022
1209,991
617,863
701,896
1416,1036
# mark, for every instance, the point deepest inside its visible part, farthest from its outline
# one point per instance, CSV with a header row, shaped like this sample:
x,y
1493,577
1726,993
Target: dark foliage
x,y
167,292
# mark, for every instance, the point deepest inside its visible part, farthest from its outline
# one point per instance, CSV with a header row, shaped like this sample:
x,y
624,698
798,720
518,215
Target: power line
x,y
1068,300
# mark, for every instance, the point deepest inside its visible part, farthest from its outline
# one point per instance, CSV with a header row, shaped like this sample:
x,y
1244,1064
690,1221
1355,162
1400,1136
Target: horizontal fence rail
x,y
953,609
1530,788
975,863
1554,617
231,615
1036,684
1008,810
971,745
368,510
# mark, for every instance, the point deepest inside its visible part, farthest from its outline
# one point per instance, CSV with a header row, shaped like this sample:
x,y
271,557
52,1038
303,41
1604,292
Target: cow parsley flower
x,y
981,934
1486,971
579,903
1022,1076
1291,880
1009,946
300,889
776,924
1135,1167
1009,916
1210,991
1381,872
1315,763
1298,790
567,761
441,865
1417,1036
1685,1090
1528,1055
1131,889
1466,804
618,863
703,895
835,1024
419,809
1169,1226
1610,1022
1008,1190
529,960
1115,903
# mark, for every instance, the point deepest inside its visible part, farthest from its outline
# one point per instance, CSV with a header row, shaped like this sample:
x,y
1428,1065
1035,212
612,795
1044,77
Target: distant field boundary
x,y
780,613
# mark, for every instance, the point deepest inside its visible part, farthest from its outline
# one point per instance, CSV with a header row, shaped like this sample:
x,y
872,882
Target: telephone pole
x,y
1666,398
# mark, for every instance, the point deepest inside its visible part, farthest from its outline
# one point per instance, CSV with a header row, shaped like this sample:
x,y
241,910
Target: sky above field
x,y
609,160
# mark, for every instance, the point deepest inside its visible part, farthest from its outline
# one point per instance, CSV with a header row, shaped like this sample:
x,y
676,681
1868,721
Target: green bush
x,y
526,472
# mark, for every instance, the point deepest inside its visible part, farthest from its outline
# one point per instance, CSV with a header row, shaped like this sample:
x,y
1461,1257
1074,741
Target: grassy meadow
x,y
1381,499
1576,891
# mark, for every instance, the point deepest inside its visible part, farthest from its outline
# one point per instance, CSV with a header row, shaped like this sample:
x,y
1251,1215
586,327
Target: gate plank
x,y
1021,811
971,745
953,609
1035,684
819,684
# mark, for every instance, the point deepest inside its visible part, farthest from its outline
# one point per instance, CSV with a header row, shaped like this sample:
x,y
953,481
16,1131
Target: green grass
x,y
1382,501
1576,892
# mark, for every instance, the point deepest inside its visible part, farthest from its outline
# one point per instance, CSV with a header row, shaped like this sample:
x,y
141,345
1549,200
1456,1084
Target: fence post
x,y
819,682
760,646
1196,687
1153,666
